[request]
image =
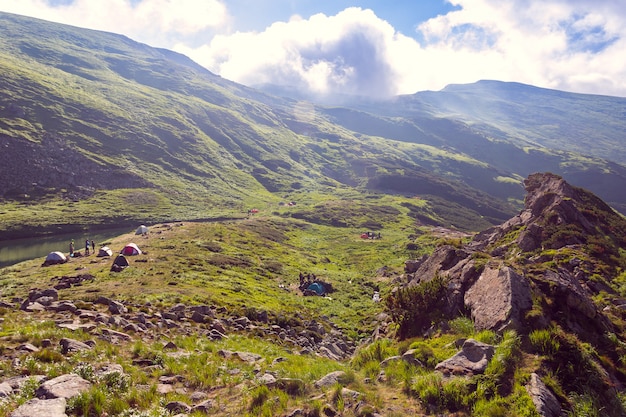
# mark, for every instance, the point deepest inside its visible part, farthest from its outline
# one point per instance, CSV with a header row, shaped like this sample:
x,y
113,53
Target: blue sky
x,y
376,48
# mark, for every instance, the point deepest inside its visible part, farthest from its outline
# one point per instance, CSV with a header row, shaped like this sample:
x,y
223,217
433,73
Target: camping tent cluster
x,y
120,262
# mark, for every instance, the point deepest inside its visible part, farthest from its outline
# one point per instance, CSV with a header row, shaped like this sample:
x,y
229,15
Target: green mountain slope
x,y
131,133
126,116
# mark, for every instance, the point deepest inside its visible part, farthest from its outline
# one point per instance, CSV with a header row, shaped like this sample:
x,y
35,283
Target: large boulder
x,y
498,299
64,386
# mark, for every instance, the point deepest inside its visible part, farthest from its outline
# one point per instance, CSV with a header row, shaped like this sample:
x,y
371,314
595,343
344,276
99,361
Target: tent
x,y
141,230
131,249
55,258
317,288
105,251
119,263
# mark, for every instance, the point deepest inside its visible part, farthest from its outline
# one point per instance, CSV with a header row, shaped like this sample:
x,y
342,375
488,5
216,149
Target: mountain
x,y
127,133
481,291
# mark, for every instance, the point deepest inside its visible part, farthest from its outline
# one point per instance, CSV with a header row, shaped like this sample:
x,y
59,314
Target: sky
x,y
376,48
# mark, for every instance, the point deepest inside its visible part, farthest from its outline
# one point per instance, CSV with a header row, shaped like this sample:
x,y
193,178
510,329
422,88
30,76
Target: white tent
x,y
105,251
55,258
141,230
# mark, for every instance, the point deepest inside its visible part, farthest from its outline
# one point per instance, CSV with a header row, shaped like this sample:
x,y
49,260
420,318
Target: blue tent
x,y
317,288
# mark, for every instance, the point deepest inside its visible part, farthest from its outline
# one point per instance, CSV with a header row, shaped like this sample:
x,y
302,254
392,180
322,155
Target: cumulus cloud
x,y
573,45
345,53
156,22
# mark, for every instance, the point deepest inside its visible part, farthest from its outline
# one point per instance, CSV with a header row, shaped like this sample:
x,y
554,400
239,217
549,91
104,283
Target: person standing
x,y
93,246
72,248
87,247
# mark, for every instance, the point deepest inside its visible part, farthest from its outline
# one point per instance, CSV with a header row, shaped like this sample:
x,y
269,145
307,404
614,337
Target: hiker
x,y
87,247
72,248
93,246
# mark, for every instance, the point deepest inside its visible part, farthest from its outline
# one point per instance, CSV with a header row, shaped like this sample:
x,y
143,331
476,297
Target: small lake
x,y
18,250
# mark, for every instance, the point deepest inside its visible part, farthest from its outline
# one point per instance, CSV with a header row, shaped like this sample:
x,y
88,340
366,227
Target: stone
x,y
409,357
115,307
204,407
5,389
267,379
36,407
330,379
70,345
86,327
499,299
545,402
177,407
471,360
64,386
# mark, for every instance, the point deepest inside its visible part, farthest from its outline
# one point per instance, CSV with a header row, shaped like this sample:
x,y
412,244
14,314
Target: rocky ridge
x,y
554,267
561,241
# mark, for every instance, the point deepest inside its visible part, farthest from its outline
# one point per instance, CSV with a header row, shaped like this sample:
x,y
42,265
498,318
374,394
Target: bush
x,y
416,308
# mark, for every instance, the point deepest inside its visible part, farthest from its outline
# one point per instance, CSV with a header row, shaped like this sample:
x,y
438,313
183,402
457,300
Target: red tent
x,y
131,249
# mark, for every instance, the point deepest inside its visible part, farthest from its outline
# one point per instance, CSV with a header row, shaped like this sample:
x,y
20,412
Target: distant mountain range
x,y
85,113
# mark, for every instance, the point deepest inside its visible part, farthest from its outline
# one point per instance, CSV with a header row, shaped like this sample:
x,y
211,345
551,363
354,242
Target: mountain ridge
x,y
184,132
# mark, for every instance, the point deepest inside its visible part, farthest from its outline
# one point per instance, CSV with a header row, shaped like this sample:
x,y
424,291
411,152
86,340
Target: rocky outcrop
x,y
493,277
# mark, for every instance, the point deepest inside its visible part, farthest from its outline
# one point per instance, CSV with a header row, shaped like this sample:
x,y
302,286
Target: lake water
x,y
18,250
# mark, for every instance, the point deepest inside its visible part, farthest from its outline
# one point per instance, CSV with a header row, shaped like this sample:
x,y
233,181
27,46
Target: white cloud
x,y
574,45
156,22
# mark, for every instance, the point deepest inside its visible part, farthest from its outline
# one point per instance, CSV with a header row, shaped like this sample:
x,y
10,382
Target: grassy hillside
x,y
104,130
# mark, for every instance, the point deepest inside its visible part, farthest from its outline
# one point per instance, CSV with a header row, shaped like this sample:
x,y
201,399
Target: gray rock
x,y
115,307
330,379
86,327
545,402
204,407
64,386
28,347
177,407
5,389
267,379
499,299
41,408
472,359
409,357
71,345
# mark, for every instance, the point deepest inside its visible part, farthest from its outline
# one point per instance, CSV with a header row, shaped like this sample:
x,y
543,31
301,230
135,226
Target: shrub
x,y
48,356
462,326
428,388
415,308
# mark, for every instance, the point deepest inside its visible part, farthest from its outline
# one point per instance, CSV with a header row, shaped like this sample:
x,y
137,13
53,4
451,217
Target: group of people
x,y
88,244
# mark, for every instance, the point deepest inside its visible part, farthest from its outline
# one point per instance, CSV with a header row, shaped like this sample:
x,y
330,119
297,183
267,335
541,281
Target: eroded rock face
x,y
493,276
498,299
